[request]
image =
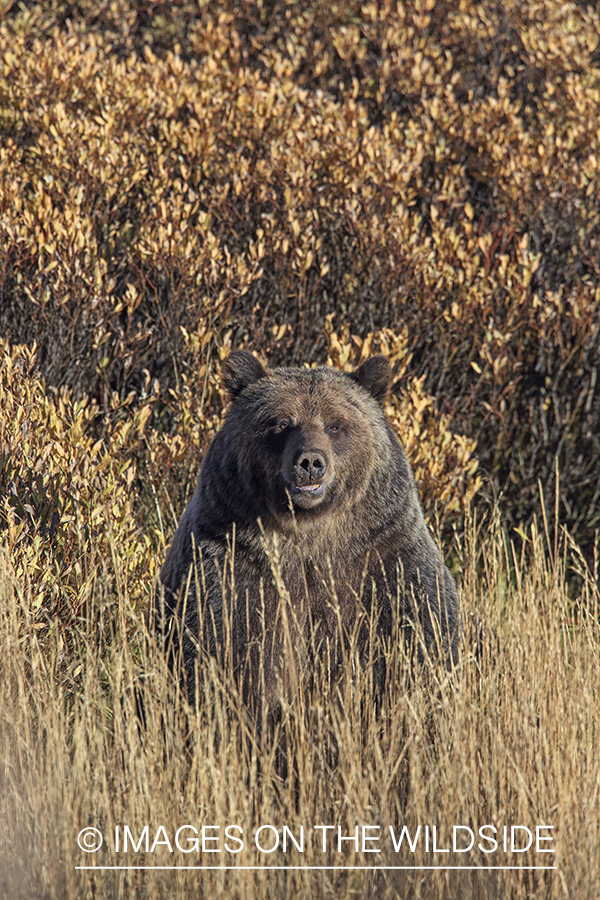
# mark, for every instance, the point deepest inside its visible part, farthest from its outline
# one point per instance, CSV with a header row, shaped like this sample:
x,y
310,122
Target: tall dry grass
x,y
511,738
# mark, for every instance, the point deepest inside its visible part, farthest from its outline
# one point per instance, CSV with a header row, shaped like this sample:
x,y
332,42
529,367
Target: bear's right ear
x,y
241,369
374,375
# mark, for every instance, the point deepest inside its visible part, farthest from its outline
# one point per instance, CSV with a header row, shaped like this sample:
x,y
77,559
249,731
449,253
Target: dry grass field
x,y
509,739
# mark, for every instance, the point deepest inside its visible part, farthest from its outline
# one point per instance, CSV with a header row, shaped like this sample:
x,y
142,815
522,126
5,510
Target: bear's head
x,y
306,439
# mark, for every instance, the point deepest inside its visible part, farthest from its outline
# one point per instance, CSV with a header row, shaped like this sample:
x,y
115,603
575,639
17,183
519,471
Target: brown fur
x,y
305,510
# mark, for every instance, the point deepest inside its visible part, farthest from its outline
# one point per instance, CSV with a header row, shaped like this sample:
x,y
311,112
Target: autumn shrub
x,y
63,493
176,178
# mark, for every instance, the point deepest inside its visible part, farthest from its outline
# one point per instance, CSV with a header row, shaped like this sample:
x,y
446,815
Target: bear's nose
x,y
310,466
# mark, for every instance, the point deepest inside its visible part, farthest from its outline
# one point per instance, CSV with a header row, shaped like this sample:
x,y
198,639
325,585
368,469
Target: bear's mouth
x,y
315,490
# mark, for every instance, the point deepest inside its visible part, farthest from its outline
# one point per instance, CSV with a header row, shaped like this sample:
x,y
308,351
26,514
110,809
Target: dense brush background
x,y
315,181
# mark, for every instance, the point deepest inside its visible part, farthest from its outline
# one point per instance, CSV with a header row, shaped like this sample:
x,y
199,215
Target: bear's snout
x,y
306,468
309,467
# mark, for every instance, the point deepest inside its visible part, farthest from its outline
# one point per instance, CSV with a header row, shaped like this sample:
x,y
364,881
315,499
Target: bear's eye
x,y
334,429
283,425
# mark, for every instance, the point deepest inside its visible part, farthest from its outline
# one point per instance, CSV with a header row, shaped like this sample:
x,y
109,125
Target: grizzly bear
x,y
305,513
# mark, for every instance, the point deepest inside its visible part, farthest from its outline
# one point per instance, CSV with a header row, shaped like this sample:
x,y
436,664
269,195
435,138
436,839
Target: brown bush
x,y
62,493
176,179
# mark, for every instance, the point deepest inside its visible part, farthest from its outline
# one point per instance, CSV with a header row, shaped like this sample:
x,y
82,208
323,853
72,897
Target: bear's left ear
x,y
374,375
241,369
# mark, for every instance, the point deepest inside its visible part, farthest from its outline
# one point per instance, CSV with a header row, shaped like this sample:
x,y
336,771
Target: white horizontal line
x,y
325,868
